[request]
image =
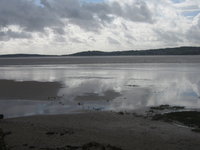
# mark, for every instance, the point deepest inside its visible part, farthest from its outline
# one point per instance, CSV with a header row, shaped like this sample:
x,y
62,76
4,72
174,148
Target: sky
x,y
70,26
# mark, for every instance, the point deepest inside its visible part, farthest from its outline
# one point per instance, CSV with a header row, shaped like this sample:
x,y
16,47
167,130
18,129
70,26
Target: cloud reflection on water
x,y
133,86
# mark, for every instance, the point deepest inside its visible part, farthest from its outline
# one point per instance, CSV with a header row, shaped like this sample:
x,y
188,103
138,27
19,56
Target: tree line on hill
x,y
164,51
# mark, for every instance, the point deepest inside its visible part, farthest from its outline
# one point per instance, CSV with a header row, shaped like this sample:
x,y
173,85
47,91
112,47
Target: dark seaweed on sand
x,y
2,142
188,118
88,146
168,107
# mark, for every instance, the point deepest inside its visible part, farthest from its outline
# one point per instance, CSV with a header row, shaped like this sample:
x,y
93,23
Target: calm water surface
x,y
106,87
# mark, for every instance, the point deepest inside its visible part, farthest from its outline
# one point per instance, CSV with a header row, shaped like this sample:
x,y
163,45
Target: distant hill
x,y
25,55
166,51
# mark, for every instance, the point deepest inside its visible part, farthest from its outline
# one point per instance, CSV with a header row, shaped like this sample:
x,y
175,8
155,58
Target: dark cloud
x,y
7,35
113,41
26,15
129,37
58,30
31,17
76,40
60,38
137,12
193,34
169,37
73,11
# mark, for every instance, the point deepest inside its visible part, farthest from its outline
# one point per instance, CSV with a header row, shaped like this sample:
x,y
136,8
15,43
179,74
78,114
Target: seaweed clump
x,y
167,107
188,118
87,146
2,142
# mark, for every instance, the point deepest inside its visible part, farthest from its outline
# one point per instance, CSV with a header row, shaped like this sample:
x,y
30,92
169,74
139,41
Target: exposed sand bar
x,y
28,90
98,60
128,132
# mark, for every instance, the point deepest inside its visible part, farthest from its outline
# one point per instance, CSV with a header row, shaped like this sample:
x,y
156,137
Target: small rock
x,y
50,133
31,147
196,130
1,116
121,113
61,134
7,133
25,145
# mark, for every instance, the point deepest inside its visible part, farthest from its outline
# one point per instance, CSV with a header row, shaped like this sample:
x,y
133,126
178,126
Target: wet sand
x,y
28,90
106,96
110,130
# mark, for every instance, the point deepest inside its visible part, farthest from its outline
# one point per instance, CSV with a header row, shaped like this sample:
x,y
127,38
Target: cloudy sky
x,y
69,26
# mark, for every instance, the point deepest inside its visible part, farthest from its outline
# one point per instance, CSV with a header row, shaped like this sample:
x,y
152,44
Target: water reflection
x,y
106,87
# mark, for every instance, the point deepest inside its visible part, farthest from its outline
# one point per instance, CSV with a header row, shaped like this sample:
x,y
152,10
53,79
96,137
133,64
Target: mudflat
x,y
28,90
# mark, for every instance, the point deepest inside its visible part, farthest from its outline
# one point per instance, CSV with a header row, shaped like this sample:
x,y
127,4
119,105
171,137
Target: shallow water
x,y
106,87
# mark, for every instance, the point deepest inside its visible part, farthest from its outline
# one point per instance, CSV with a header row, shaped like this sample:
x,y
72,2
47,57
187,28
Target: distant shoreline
x,y
149,52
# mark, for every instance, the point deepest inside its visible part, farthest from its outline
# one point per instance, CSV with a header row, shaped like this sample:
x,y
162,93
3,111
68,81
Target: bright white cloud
x,y
68,26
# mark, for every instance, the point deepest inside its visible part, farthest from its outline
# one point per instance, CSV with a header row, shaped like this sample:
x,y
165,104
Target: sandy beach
x,y
103,129
83,106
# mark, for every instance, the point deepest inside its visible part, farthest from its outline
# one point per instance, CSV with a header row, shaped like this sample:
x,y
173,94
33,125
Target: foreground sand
x,y
125,131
